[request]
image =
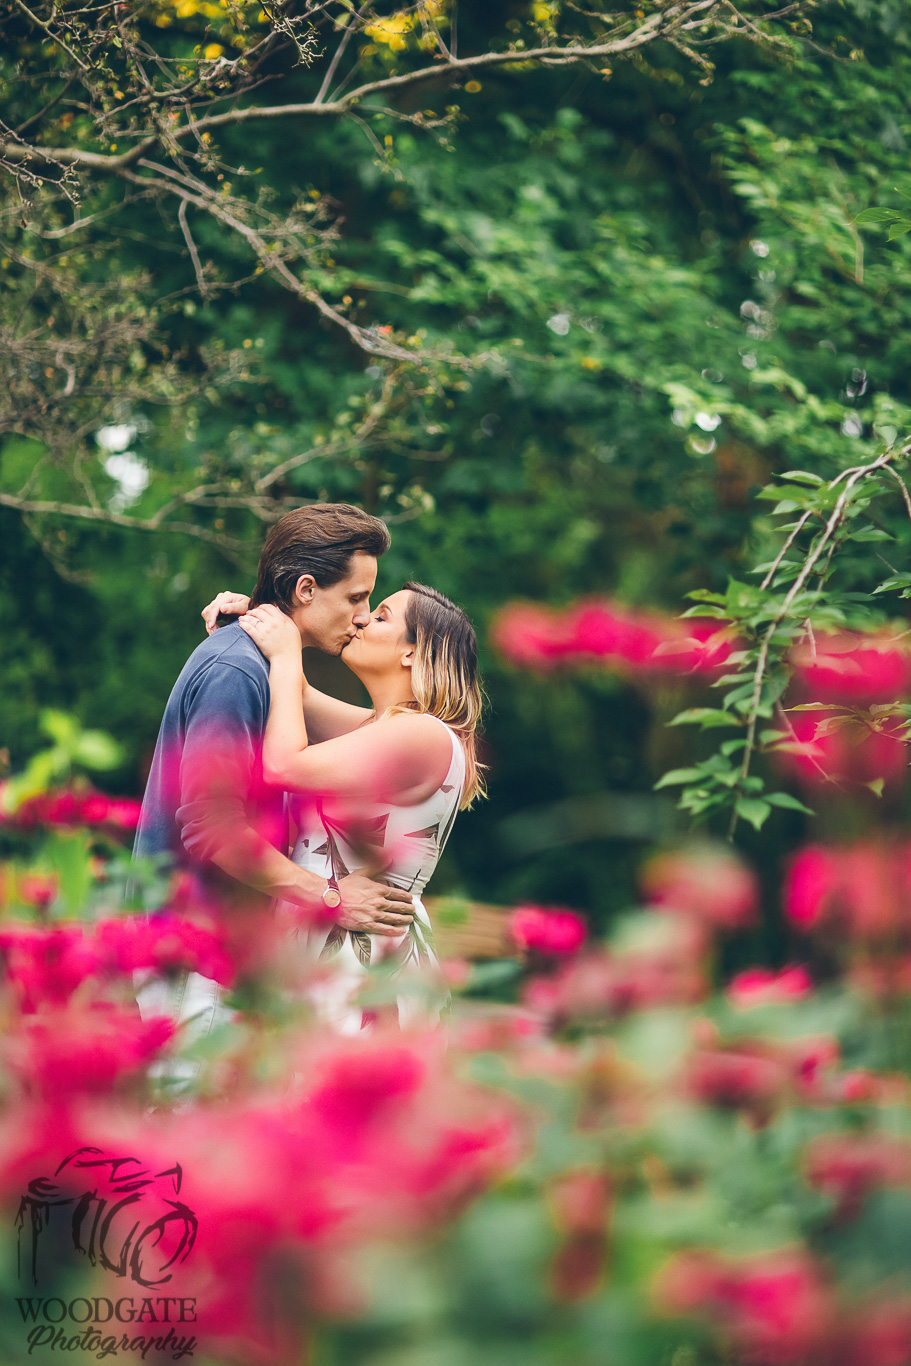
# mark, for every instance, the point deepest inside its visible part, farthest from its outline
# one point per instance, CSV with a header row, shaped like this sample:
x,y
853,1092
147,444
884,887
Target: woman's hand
x,y
228,604
274,633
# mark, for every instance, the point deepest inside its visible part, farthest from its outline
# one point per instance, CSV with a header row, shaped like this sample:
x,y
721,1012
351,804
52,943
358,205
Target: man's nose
x,y
362,615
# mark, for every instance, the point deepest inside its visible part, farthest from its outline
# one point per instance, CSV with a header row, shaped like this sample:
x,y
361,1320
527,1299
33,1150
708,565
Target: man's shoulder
x,y
228,655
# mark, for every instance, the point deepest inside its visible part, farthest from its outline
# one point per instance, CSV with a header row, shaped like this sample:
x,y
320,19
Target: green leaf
x,y
876,786
61,727
706,717
703,595
705,610
789,803
897,581
898,230
679,775
877,216
95,749
802,477
872,533
753,810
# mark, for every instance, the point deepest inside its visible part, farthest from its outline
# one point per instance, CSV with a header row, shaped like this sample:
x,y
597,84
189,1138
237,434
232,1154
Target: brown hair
x,y
317,540
444,675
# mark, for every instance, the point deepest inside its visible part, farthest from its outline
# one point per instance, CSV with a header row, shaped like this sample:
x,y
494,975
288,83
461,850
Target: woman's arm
x,y
403,758
286,730
326,716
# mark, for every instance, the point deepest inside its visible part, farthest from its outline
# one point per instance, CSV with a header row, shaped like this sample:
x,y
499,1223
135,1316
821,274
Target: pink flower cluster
x,y
46,964
779,1308
853,668
67,806
601,985
757,1076
850,754
534,637
62,1053
372,1139
847,670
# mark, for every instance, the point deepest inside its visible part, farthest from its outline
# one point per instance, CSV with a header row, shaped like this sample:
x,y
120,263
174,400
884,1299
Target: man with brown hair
x,y
206,802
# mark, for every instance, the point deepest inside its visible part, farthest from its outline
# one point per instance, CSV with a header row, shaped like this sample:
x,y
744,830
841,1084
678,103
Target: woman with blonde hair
x,y
381,785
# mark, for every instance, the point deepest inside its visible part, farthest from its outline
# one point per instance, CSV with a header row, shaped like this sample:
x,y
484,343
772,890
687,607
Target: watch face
x,y
332,896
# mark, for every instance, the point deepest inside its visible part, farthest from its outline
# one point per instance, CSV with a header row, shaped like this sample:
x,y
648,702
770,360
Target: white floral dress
x,y
408,842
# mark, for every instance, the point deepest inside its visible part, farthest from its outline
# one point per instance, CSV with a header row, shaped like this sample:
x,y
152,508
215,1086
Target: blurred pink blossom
x,y
760,986
548,932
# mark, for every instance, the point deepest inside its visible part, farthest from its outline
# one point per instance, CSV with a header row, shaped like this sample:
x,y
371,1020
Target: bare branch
x,y
191,247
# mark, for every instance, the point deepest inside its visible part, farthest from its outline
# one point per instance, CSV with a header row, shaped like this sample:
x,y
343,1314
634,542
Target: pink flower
x,y
704,881
809,883
759,986
849,1166
531,637
851,755
739,1079
551,933
773,1308
853,668
39,889
876,1335
579,1203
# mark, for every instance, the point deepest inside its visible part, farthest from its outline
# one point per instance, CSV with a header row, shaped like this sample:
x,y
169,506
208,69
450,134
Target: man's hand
x,y
372,907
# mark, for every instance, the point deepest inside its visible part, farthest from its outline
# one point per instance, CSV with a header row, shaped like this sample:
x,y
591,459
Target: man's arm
x,y
220,776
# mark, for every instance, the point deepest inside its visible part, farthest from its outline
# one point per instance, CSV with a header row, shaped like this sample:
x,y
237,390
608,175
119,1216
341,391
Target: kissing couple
x,y
248,746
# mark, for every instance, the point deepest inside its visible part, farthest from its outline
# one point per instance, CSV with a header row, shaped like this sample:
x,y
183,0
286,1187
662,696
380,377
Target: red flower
x,y
552,933
759,986
69,807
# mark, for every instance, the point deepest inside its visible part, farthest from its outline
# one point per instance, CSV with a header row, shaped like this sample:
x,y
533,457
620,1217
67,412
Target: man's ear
x,y
303,590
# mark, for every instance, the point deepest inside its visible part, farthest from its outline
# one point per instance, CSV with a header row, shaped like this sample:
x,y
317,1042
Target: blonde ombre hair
x,y
444,675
